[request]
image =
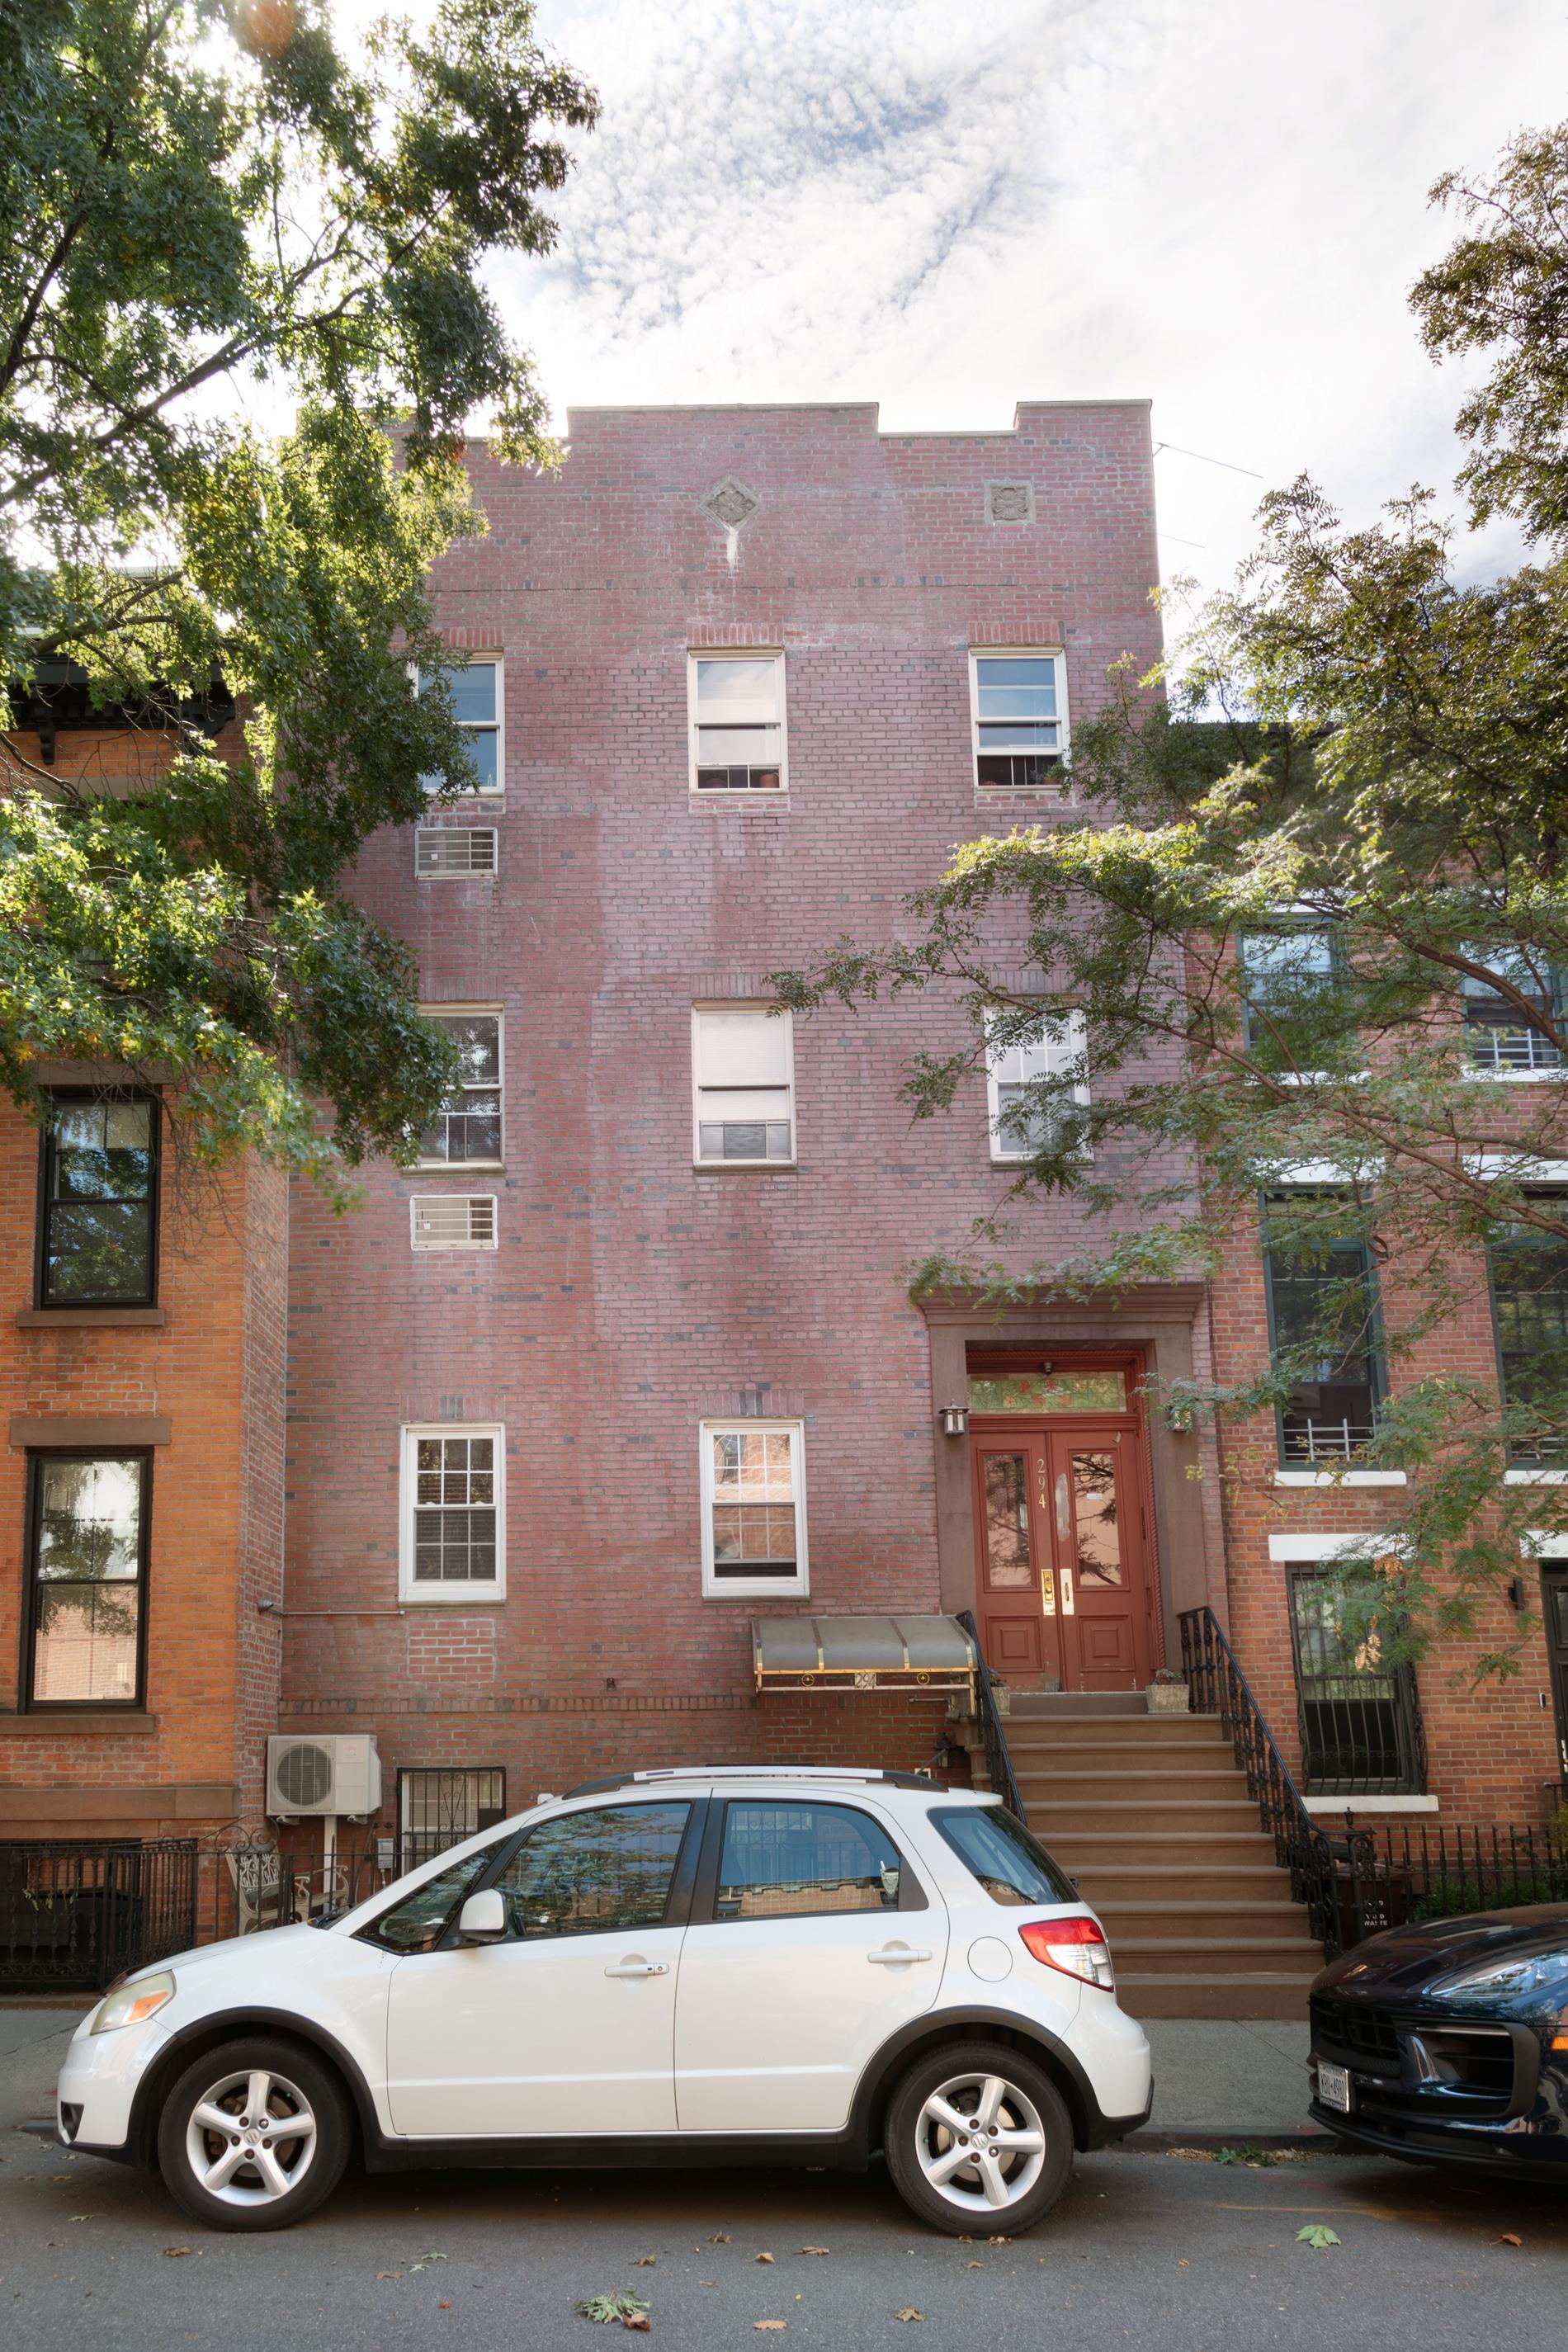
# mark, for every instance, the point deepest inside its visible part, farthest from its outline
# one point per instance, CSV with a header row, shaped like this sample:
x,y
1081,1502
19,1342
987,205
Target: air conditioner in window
x,y
336,1772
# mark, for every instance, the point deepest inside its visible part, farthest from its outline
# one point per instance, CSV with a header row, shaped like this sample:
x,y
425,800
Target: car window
x,y
780,1861
995,1847
419,1921
587,1873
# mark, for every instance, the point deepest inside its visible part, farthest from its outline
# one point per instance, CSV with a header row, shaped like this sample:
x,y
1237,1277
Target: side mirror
x,y
482,1919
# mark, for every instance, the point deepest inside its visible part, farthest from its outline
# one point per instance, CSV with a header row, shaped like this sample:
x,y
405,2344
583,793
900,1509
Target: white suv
x,y
687,1967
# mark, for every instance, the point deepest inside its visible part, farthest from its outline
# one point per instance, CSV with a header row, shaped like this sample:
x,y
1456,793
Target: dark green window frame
x,y
1297,1423
1254,1032
1512,1344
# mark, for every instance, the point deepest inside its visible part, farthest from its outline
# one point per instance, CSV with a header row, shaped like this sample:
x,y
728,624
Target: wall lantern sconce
x,y
954,1419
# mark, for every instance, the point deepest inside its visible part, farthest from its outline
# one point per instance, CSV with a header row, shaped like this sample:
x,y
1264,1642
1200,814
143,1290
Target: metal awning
x,y
925,1653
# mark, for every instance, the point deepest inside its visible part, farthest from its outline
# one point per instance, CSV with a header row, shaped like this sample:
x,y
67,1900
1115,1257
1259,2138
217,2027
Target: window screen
x,y
784,1861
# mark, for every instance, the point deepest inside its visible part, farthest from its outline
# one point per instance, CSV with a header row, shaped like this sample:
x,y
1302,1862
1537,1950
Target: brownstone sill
x,y
71,1721
91,1318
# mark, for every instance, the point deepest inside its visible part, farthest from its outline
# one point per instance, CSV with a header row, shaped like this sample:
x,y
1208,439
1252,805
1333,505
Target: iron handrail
x,y
993,1738
1220,1687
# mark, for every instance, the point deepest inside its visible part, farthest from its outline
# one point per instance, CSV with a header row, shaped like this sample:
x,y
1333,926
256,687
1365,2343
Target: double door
x,y
1064,1566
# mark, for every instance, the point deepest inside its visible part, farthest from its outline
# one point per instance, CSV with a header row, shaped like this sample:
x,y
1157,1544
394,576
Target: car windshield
x,y
995,1847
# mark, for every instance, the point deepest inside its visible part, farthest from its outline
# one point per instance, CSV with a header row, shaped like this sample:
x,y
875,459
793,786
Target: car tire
x,y
1009,2104
285,2119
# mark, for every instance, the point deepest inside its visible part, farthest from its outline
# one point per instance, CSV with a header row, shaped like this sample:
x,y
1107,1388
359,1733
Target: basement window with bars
x,y
742,1070
468,1129
1018,707
452,1221
454,853
437,1808
737,706
753,1509
452,1536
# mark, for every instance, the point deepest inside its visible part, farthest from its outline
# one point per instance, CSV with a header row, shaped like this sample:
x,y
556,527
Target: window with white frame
x,y
478,706
467,1130
1018,707
737,706
453,1536
753,1509
742,1072
1015,1060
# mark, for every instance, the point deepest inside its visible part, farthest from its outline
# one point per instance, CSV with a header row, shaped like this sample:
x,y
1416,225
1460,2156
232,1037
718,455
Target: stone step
x,y
1034,1740
1076,1706
1161,1994
1079,1721
1179,1782
1094,1817
1129,1914
1177,1955
1146,1888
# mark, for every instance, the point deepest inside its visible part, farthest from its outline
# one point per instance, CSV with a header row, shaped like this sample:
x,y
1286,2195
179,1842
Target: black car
x,y
1448,2042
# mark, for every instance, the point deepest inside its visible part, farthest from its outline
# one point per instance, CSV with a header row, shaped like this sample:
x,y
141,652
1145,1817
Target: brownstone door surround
x,y
1154,1327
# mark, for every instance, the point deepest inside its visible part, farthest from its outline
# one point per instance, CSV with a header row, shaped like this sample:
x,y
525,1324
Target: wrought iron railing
x,y
993,1738
1220,1687
76,1912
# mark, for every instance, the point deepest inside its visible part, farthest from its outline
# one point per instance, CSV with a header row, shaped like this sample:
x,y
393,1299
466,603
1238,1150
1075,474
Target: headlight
x,y
134,2003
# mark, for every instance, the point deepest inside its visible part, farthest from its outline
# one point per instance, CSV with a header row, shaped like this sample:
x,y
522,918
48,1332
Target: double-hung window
x,y
478,709
1290,977
1322,1311
1019,712
742,1070
97,1214
87,1582
453,1544
737,717
467,1131
1499,1035
753,1509
1530,1307
1016,1060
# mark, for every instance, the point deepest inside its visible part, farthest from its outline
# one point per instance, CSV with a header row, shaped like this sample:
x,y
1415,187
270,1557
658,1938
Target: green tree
x,y
242,326
1308,894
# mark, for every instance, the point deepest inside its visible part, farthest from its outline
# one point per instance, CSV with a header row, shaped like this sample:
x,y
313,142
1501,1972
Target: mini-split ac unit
x,y
336,1772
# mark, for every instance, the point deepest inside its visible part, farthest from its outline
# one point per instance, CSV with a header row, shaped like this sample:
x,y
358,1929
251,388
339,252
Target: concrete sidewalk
x,y
1213,2081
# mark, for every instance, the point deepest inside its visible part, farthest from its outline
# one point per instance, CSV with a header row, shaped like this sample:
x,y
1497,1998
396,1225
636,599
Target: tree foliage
x,y
243,324
1300,896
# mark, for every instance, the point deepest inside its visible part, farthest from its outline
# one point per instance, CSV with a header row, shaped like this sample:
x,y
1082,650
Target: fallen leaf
x,y
706,2282
380,2274
424,2261
1318,2235
638,2319
646,2262
607,2308
1182,2264
443,2306
173,2251
761,2258
814,2250
720,2238
764,2326
974,2267
909,2311
998,2242
93,2217
1509,2239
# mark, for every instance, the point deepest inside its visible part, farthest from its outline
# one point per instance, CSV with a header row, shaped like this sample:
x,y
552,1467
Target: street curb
x,y
1201,2136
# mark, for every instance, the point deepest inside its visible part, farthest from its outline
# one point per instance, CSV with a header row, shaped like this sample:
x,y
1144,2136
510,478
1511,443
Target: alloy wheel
x,y
980,2143
251,2137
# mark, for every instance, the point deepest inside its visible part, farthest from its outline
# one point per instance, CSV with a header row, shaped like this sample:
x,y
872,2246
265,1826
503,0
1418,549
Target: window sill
x,y
744,1166
1535,1477
492,877
1341,1478
61,1722
91,1318
1520,1077
743,800
457,1167
752,1592
479,1596
1321,1803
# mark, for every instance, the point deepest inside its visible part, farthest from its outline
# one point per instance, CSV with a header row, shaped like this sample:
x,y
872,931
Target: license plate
x,y
1334,2086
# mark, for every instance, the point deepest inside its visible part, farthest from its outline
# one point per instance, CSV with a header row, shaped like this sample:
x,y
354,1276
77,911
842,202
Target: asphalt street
x,y
1156,2249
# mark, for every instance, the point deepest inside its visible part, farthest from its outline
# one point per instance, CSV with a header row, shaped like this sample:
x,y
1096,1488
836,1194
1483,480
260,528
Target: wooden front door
x,y
1063,1569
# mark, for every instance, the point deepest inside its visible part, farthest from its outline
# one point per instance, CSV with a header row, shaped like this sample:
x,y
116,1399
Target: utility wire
x,y
1177,451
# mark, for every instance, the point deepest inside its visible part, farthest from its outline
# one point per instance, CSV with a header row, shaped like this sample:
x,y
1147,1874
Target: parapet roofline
x,y
870,409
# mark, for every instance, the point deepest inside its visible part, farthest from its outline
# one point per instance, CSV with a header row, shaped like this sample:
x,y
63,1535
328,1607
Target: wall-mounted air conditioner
x,y
334,1772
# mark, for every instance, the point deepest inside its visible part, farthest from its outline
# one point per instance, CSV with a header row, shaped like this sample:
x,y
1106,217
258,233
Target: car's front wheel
x,y
978,2139
254,2136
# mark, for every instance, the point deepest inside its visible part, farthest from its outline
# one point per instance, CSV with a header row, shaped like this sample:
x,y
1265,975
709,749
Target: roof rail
x,y
827,1773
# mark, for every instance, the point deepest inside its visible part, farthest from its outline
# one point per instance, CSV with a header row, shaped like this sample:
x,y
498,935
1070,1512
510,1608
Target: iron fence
x,y
76,1912
993,1738
1396,1877
276,1875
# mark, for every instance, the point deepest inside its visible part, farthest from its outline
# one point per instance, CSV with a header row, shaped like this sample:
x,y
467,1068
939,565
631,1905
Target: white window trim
x,y
1005,1153
743,1004
479,659
977,653
1341,1478
1535,1477
753,1588
497,1014
1336,1546
775,654
1360,1806
438,1596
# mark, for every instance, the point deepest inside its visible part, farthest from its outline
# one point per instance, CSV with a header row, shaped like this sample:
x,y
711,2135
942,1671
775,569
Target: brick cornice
x,y
91,1429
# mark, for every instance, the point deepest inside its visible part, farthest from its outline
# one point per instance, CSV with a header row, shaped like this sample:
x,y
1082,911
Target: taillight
x,y
1076,1946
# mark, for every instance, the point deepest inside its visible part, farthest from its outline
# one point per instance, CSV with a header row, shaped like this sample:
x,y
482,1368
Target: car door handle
x,y
897,1956
639,1968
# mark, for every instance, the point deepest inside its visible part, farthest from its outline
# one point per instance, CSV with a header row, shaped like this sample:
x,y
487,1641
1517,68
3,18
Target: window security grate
x,y
445,851
450,1221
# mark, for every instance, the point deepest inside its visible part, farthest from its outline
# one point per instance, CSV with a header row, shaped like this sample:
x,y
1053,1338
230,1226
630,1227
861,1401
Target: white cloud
x,y
1220,204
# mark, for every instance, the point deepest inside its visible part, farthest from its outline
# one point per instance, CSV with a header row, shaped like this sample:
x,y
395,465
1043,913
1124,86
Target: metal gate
x,y
75,1914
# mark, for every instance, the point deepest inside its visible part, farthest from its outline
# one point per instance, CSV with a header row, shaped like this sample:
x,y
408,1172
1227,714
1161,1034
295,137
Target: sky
x,y
949,205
